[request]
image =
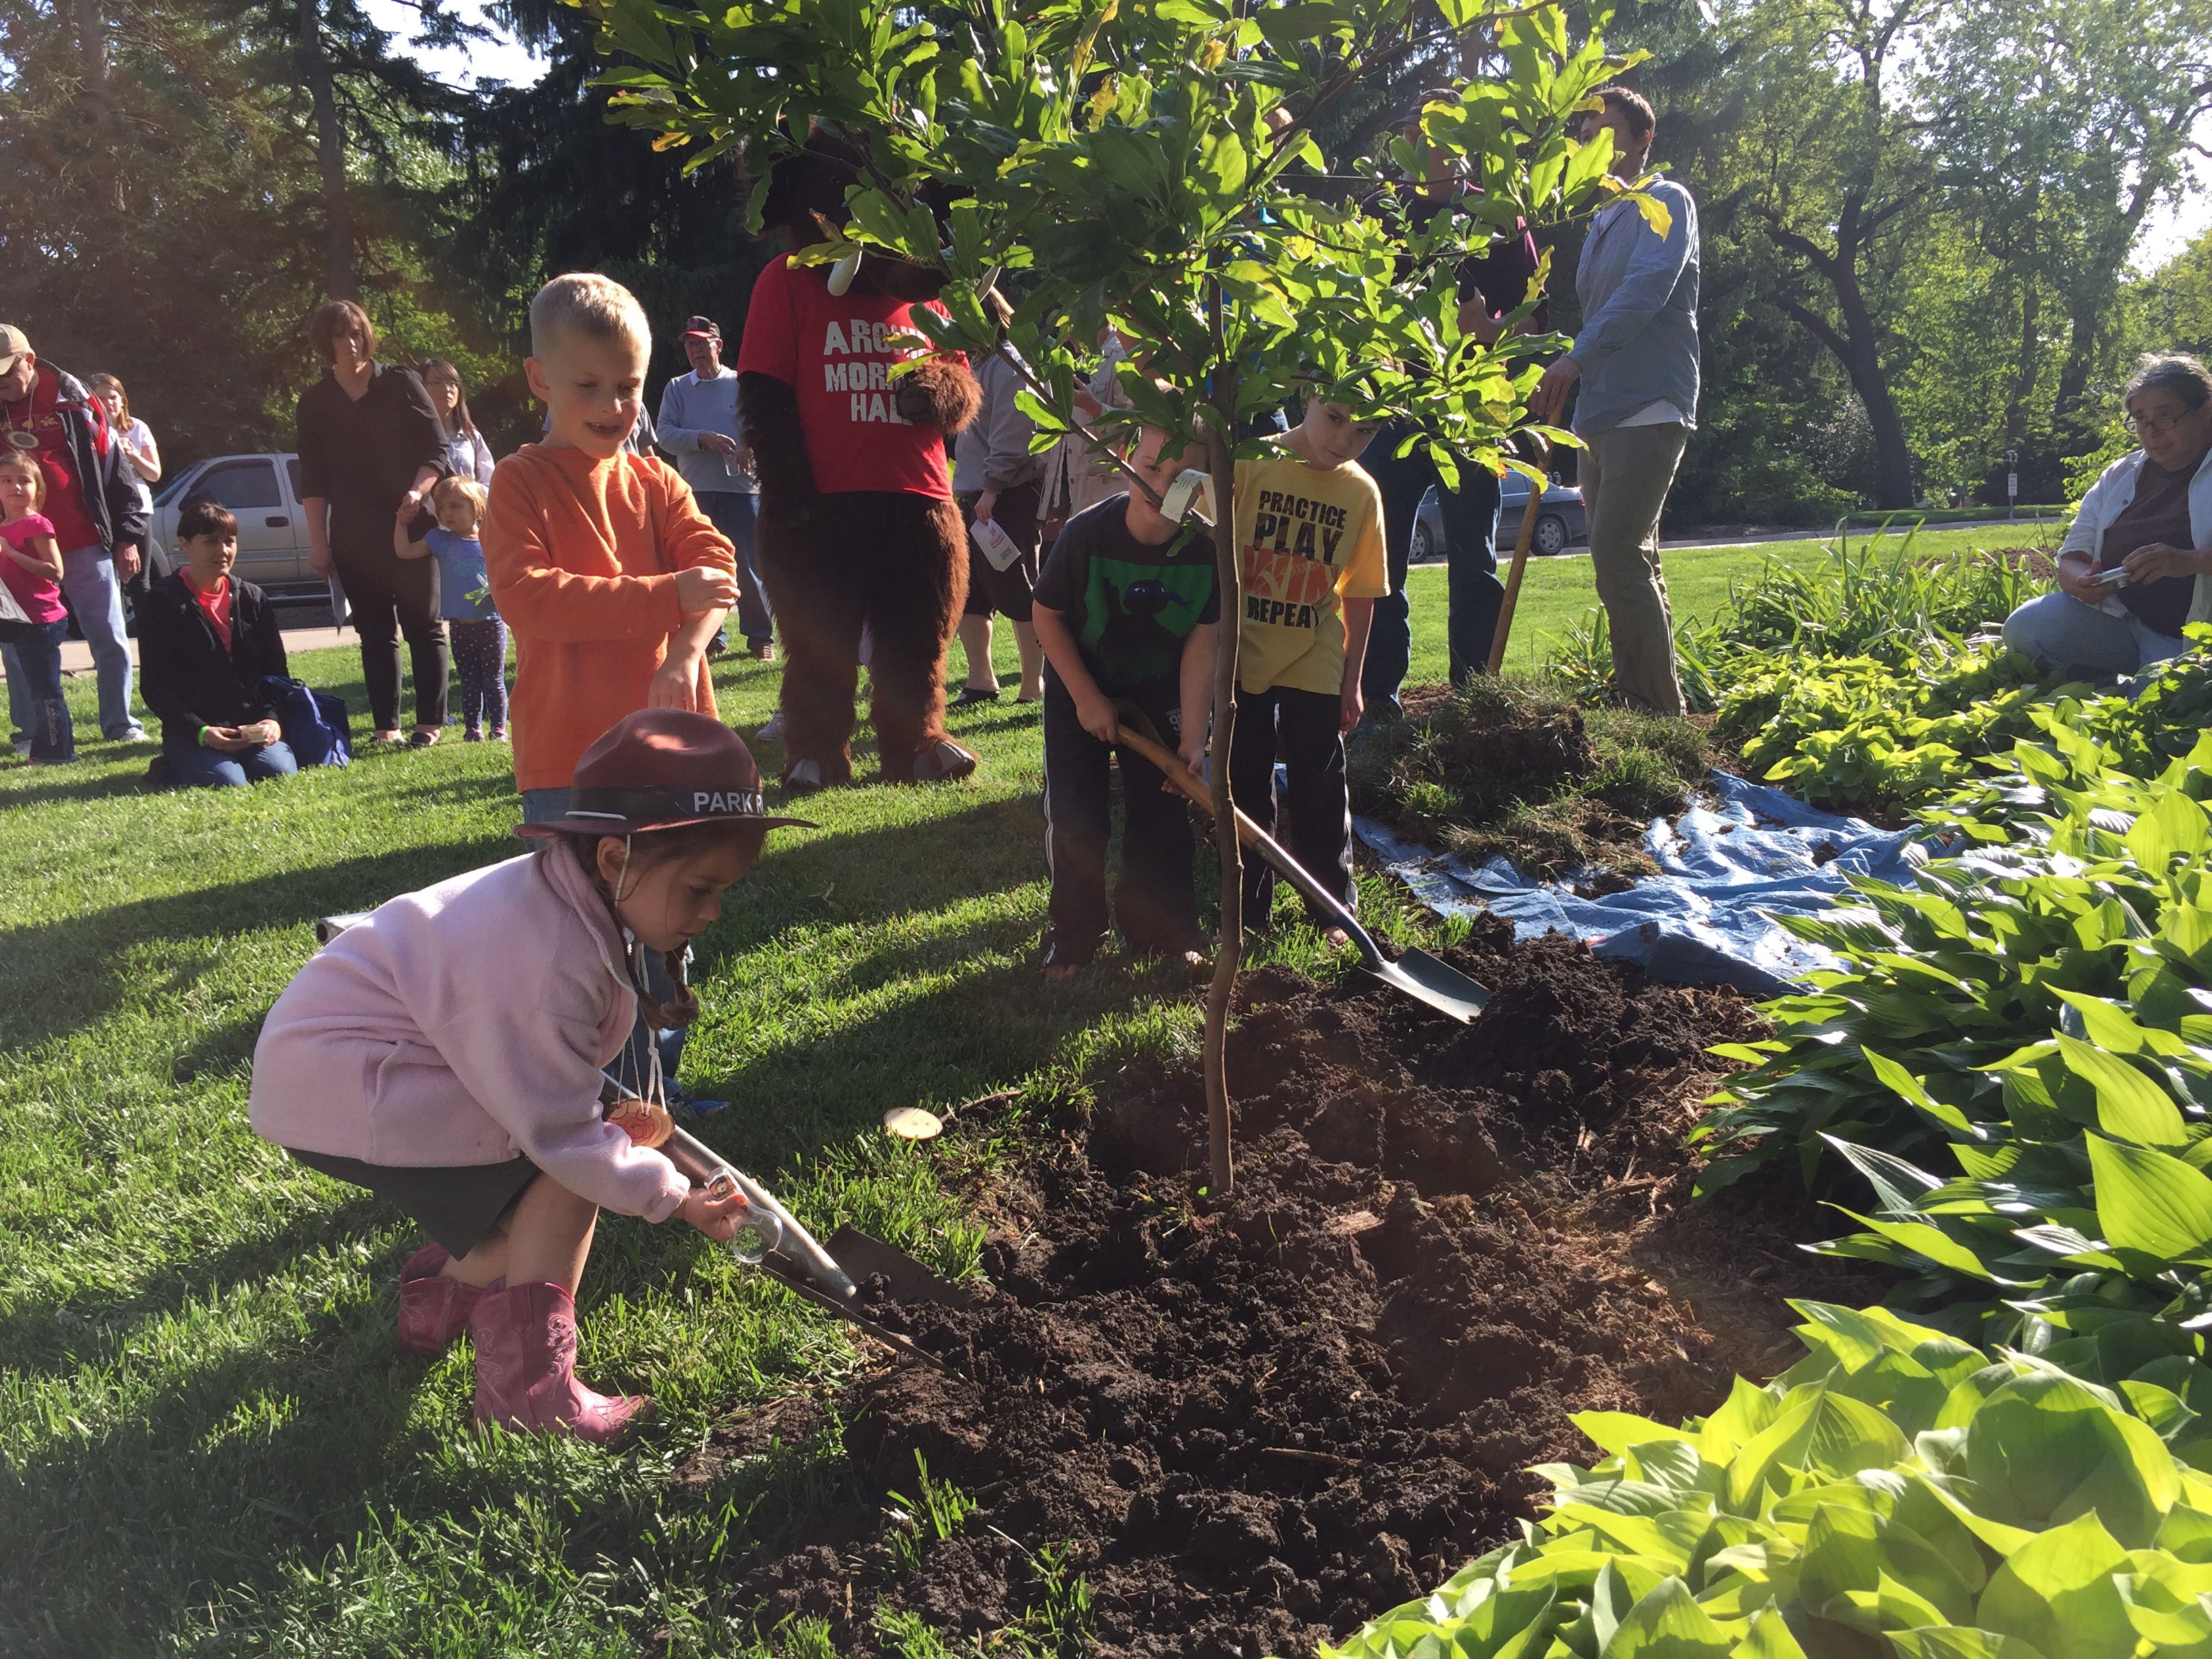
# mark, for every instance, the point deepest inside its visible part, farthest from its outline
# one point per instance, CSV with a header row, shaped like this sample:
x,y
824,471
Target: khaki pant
x,y
1626,475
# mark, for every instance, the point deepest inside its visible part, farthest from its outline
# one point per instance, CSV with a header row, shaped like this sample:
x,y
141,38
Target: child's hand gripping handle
x,y
1136,732
758,1229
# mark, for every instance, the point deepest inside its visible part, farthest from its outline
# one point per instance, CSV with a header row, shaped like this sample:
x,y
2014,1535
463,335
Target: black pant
x,y
1154,905
1301,727
390,596
1470,516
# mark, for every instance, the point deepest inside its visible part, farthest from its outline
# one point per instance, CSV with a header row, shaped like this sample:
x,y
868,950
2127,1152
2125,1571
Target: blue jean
x,y
550,806
2060,631
88,579
196,768
35,692
733,512
1470,514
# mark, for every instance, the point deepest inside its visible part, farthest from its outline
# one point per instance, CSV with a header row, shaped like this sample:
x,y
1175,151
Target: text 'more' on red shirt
x,y
834,356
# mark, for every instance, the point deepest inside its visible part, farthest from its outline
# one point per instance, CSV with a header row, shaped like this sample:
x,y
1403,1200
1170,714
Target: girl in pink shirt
x,y
31,569
448,1053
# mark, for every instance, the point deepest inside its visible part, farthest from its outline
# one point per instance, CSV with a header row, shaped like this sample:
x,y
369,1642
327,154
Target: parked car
x,y
1560,520
263,491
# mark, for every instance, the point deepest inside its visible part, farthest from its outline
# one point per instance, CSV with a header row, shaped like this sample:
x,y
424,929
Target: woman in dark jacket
x,y
369,444
204,641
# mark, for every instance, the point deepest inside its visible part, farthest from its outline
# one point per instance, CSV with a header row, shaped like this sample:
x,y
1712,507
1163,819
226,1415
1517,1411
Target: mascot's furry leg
x,y
916,557
818,609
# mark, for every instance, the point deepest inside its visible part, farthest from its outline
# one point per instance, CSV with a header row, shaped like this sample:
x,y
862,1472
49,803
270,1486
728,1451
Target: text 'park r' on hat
x,y
14,342
702,328
661,769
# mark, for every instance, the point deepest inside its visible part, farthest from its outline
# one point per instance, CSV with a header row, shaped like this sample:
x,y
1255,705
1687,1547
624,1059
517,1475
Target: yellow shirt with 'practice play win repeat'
x,y
1307,540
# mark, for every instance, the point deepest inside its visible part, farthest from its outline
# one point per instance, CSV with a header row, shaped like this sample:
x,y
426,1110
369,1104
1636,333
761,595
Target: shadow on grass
x,y
61,784
58,978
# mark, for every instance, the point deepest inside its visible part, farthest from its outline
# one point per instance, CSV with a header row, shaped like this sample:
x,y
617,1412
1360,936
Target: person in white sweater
x,y
700,429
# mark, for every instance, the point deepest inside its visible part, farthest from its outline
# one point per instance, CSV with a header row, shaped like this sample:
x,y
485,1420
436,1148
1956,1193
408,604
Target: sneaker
x,y
682,1102
764,651
471,735
133,733
773,732
499,734
1061,958
803,778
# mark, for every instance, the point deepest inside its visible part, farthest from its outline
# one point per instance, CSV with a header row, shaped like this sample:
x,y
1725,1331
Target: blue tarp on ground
x,y
1726,867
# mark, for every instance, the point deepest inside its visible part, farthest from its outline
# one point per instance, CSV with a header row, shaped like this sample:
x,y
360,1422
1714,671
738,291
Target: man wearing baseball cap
x,y
700,429
98,515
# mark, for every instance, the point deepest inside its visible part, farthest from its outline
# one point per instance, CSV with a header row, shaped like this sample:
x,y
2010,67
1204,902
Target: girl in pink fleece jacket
x,y
447,1053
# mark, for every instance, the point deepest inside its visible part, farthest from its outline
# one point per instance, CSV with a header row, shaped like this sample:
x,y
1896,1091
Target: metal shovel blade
x,y
1440,985
865,1257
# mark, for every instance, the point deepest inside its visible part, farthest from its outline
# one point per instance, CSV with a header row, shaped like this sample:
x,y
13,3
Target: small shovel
x,y
1418,974
798,1262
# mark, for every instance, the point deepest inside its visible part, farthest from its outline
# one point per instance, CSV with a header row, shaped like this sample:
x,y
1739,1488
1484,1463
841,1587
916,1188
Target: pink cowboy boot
x,y
525,1338
434,1309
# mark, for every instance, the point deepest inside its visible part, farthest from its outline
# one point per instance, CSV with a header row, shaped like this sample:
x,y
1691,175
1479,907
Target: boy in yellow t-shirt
x,y
1309,535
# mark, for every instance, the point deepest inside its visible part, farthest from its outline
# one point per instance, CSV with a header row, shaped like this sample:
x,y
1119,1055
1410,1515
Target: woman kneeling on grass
x,y
2137,566
447,1053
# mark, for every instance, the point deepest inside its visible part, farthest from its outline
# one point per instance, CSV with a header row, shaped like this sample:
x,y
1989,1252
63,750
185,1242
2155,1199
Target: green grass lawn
x,y
1557,594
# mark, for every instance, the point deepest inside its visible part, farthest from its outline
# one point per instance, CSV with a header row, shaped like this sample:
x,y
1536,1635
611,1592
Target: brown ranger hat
x,y
660,768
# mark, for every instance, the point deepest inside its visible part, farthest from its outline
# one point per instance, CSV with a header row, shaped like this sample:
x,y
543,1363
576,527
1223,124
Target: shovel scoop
x,y
1419,975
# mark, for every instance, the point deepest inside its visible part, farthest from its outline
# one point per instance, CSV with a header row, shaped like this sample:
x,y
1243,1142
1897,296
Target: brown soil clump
x,y
1251,1424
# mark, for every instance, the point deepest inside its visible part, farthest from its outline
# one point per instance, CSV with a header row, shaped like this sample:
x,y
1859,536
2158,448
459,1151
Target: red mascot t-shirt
x,y
832,353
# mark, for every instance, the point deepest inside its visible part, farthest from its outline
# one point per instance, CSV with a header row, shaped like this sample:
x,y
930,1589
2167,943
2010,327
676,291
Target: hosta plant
x,y
1898,1492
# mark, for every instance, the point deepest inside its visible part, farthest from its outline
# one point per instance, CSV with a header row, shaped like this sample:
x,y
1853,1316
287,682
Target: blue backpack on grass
x,y
316,726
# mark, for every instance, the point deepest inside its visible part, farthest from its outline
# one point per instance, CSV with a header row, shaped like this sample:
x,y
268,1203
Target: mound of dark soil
x,y
1506,767
1252,1425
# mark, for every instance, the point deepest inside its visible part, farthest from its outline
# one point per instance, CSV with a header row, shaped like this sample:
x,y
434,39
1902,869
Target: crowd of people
x,y
541,1001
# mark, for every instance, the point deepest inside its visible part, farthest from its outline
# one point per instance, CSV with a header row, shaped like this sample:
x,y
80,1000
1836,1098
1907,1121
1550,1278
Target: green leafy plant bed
x,y
1899,1494
1510,766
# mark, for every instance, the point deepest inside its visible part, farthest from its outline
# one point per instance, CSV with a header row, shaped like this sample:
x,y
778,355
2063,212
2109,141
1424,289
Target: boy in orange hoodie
x,y
611,578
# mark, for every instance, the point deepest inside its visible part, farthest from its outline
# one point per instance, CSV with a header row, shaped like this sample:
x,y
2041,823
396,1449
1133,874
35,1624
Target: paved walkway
x,y
76,655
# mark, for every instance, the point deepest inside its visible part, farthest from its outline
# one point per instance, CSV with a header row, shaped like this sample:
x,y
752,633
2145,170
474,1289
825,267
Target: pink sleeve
x,y
771,345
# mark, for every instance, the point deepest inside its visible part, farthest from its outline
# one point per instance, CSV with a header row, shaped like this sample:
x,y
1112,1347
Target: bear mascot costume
x,y
857,525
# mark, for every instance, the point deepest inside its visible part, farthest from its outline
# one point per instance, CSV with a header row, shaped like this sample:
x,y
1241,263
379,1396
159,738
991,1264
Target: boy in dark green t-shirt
x,y
1126,606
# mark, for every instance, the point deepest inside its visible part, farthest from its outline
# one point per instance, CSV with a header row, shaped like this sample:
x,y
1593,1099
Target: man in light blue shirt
x,y
1637,361
700,429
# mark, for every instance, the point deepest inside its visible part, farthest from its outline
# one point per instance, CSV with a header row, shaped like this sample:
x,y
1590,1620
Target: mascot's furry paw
x,y
939,392
940,760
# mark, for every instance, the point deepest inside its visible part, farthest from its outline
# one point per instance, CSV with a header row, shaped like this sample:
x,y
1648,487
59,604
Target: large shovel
x,y
1418,974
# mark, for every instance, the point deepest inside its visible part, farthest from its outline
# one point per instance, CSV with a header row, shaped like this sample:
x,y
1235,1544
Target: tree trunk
x,y
1856,346
343,280
1220,462
2030,362
91,48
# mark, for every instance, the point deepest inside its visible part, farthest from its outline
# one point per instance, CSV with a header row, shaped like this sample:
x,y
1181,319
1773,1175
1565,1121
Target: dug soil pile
x,y
1250,1425
1500,766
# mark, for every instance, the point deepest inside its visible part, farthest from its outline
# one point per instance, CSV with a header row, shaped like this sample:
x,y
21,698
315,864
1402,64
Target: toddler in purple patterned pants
x,y
480,663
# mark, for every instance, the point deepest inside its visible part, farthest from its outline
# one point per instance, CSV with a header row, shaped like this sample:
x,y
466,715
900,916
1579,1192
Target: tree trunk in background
x,y
100,110
2031,360
1858,344
343,280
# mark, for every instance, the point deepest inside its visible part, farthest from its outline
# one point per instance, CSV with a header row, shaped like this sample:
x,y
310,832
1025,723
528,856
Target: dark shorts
x,y
1004,593
459,1206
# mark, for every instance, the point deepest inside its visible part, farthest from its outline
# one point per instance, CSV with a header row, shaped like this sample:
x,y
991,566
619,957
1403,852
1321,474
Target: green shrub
x,y
1897,1493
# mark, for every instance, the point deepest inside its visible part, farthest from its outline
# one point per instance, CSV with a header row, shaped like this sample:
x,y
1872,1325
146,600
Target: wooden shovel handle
x,y
1168,760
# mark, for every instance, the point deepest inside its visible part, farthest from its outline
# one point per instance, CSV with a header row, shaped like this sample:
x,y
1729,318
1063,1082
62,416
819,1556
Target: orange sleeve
x,y
537,595
688,537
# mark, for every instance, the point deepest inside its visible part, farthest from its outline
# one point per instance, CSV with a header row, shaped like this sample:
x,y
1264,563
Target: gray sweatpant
x,y
1626,475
